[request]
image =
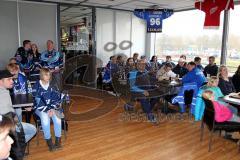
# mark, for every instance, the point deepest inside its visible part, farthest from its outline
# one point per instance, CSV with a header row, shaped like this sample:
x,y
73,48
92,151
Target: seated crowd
x,y
38,74
143,75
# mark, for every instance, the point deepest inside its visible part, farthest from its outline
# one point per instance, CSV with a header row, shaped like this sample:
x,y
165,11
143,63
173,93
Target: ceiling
x,y
72,11
130,4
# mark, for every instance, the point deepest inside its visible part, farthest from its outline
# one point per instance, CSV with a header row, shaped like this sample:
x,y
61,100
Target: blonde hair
x,y
12,67
220,70
207,94
45,71
212,79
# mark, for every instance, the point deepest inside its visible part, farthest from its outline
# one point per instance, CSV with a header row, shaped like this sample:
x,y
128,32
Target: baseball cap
x,y
5,74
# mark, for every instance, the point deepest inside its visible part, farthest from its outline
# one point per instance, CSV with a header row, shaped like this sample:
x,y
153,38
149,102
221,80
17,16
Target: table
x,y
231,100
168,88
22,100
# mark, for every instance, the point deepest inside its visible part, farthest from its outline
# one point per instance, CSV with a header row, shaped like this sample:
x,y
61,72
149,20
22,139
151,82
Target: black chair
x,y
209,120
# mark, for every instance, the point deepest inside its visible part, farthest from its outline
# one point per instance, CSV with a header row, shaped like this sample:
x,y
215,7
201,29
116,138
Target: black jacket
x,y
211,69
181,71
235,81
226,86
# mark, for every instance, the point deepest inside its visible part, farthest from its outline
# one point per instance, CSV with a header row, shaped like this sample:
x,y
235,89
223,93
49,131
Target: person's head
x,y
181,62
135,56
144,58
213,81
12,60
27,44
223,72
168,67
50,45
191,66
6,79
238,71
208,94
130,61
211,60
13,68
5,140
168,58
141,65
113,59
34,48
45,75
154,59
197,60
119,59
184,57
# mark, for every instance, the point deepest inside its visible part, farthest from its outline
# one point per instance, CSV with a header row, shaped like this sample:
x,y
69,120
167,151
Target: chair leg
x,y
220,131
202,131
210,141
65,126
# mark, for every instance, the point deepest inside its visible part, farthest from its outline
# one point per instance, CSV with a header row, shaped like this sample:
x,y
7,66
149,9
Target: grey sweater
x,y
5,101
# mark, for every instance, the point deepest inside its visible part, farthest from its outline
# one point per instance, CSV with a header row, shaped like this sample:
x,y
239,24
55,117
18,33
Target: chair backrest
x,y
209,113
189,87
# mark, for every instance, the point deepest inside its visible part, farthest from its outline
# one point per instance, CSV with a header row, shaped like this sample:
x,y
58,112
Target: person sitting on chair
x,y
222,112
142,90
46,106
194,75
165,73
20,86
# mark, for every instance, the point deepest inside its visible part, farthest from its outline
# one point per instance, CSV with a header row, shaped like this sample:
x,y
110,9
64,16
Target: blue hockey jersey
x,y
154,18
51,59
46,99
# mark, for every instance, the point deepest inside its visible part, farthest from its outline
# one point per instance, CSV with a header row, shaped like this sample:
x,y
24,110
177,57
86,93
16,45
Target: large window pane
x,y
183,33
233,57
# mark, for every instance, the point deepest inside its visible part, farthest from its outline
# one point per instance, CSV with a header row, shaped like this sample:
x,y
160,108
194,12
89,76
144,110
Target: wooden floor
x,y
113,137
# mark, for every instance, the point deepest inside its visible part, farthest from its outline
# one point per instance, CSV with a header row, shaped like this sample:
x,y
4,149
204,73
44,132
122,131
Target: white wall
x,y
116,26
8,31
37,22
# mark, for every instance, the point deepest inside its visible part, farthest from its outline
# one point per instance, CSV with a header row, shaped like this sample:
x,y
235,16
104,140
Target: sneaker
x,y
152,119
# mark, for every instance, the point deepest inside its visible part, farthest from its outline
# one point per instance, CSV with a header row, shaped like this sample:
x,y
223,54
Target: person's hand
x,y
28,109
146,93
50,113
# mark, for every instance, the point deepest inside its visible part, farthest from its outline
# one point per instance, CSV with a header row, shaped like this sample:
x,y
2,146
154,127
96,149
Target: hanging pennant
x,y
213,9
154,17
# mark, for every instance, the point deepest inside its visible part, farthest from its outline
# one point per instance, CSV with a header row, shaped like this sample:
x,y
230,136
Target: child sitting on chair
x,y
21,85
222,112
46,104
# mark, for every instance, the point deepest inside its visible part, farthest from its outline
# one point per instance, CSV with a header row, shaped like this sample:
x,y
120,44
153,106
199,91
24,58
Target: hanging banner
x,y
153,17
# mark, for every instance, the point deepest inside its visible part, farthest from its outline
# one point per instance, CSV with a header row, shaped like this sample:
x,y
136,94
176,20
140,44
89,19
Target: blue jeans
x,y
29,131
147,106
45,122
18,112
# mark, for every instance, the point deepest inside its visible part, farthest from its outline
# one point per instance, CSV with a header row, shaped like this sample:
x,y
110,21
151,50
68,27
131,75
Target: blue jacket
x,y
195,75
109,70
200,105
44,100
51,59
21,85
139,81
180,99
